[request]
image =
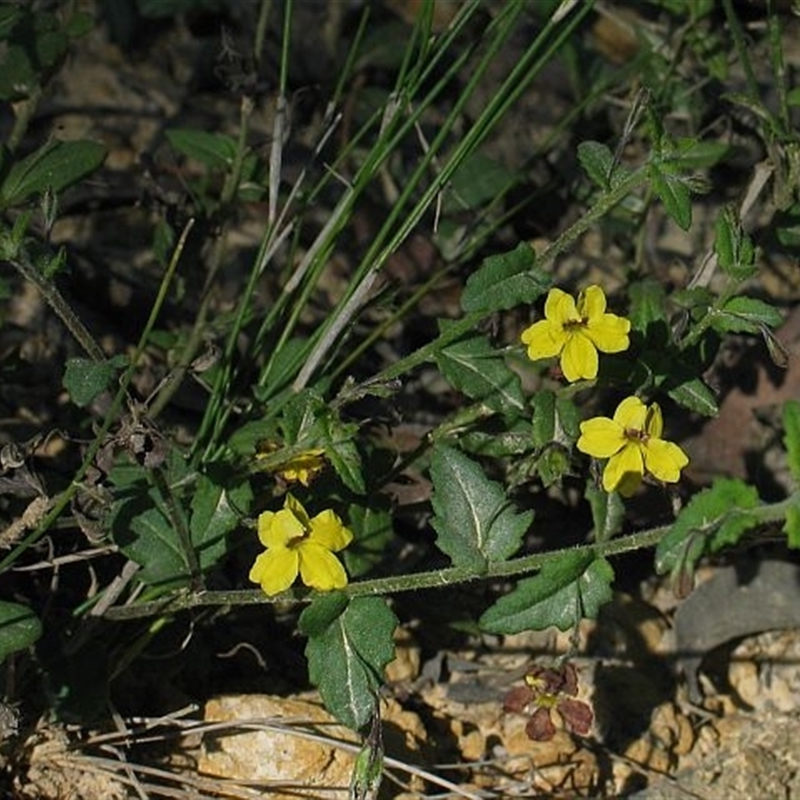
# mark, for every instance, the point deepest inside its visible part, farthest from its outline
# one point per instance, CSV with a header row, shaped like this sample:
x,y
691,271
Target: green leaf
x,y
474,522
674,194
19,628
568,589
324,610
505,281
696,396
347,658
736,254
216,511
143,531
608,512
372,530
648,305
597,162
791,527
52,167
791,436
477,181
714,517
85,379
555,419
214,150
745,315
35,47
337,438
544,417
478,370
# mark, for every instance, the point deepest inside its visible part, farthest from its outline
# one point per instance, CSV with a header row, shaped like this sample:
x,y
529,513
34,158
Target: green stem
x,y
63,500
433,579
56,301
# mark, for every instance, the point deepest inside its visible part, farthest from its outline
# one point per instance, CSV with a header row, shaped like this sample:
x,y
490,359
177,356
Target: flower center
x,y
295,541
637,436
573,324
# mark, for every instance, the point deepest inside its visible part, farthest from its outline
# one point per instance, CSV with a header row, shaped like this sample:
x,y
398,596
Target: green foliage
x,y
713,518
53,167
19,628
791,436
308,342
564,592
146,530
505,281
85,379
474,521
735,251
478,370
597,162
350,643
36,43
745,315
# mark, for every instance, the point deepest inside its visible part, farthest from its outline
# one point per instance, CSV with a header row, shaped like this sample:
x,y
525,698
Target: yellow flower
x,y
632,444
575,332
299,545
302,468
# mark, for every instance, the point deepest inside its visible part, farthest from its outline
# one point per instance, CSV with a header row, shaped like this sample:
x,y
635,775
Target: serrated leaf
x,y
714,517
215,150
85,379
19,628
648,304
674,194
696,396
52,167
216,511
505,281
143,531
735,250
337,438
597,161
474,522
791,436
745,315
347,658
569,589
478,370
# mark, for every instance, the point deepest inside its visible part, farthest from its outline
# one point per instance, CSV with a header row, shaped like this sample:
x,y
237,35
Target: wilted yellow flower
x,y
632,443
575,332
299,545
301,468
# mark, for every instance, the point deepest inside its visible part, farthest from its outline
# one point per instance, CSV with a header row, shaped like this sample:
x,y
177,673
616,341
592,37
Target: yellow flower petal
x,y
327,530
560,308
591,303
624,469
277,529
579,358
275,570
292,504
320,569
654,422
664,460
601,437
545,339
609,333
631,414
